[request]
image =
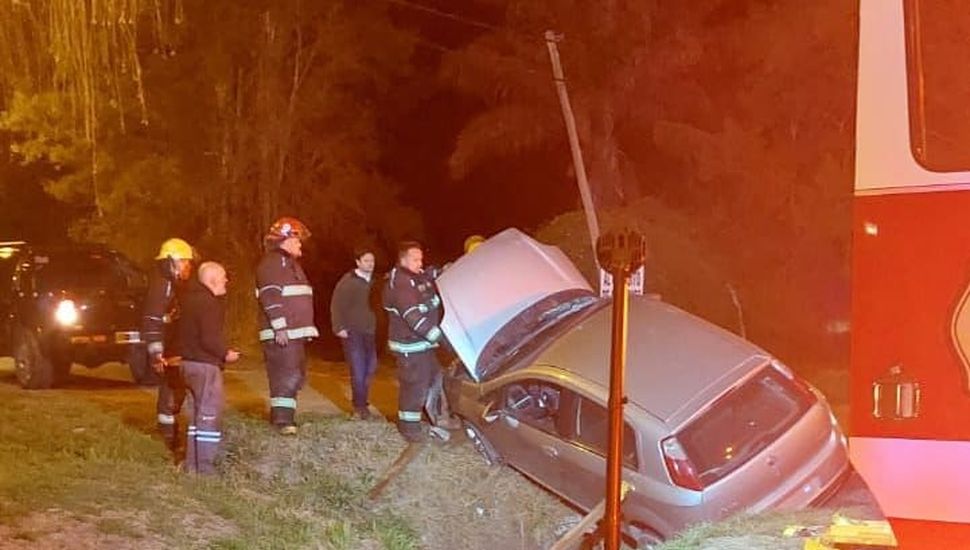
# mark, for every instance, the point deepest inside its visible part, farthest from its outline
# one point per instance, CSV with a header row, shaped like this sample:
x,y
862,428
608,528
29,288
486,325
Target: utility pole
x,y
552,40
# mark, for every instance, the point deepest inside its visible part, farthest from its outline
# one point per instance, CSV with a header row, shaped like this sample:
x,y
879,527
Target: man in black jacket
x,y
204,352
286,299
173,266
354,322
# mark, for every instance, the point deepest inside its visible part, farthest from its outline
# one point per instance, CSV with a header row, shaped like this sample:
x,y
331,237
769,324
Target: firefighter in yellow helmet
x,y
173,266
472,242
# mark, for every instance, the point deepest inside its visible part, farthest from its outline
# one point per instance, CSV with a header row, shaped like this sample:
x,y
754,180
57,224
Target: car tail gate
x,y
766,433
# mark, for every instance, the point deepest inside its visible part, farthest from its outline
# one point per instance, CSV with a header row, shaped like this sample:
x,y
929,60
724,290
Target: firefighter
x,y
286,300
173,266
472,242
414,311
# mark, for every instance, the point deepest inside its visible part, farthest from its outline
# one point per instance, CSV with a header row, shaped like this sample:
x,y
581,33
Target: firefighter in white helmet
x,y
286,303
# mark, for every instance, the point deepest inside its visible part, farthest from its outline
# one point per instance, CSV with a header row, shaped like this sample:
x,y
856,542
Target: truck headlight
x,y
66,313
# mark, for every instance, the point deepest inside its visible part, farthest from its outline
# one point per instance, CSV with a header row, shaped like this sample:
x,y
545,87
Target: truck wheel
x,y
34,369
141,370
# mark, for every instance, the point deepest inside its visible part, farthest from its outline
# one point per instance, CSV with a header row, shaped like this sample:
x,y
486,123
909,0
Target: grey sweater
x,y
350,305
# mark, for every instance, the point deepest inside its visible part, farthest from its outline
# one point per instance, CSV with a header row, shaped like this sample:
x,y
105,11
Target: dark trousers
x,y
286,369
171,395
360,351
204,439
415,373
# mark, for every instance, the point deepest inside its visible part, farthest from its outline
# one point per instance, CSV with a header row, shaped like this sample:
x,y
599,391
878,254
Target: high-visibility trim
x,y
419,323
420,307
392,310
204,433
291,333
434,334
155,347
272,306
166,419
278,323
263,289
283,402
200,439
409,416
297,290
435,301
413,347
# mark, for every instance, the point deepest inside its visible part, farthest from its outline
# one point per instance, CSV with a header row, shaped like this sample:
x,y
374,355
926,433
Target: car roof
x,y
676,362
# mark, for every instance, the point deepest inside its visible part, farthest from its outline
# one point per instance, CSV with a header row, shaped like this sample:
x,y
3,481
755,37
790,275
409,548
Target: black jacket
x,y
414,311
285,297
350,305
201,326
160,311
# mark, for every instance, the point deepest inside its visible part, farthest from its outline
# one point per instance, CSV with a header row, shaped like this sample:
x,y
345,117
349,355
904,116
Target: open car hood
x,y
497,295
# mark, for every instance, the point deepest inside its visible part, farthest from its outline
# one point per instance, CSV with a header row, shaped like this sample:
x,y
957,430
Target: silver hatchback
x,y
714,425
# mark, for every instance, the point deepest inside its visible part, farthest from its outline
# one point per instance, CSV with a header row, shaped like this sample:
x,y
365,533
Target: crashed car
x,y
714,425
72,304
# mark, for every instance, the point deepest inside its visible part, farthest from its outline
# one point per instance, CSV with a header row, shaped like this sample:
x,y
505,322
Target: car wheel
x,y
141,369
643,537
34,369
482,444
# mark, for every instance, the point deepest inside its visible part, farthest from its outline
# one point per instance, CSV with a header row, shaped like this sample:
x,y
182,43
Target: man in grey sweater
x,y
353,321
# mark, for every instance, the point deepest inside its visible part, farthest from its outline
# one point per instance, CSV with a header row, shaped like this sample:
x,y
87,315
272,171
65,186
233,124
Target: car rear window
x,y
743,422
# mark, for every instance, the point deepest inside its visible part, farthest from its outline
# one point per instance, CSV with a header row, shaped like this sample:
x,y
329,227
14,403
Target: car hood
x,y
496,296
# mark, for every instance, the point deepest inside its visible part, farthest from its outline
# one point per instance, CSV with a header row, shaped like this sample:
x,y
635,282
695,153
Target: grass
x,y
82,465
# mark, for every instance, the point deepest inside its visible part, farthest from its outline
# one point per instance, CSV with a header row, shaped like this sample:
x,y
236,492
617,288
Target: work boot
x,y
362,413
288,430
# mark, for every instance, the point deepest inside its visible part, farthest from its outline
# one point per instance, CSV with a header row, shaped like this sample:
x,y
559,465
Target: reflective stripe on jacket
x,y
285,297
414,312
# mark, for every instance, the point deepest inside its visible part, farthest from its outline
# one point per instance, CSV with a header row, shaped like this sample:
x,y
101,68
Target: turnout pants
x,y
360,351
415,372
171,395
286,369
204,436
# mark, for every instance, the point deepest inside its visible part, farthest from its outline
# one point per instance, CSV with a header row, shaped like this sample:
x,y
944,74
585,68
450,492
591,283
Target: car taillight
x,y
679,466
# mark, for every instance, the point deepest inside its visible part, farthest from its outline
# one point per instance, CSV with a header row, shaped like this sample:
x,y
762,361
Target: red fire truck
x,y
910,379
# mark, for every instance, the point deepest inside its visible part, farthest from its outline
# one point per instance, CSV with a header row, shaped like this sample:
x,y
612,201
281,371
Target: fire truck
x,y
910,363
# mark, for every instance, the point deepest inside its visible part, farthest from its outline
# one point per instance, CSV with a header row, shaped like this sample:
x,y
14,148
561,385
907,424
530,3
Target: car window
x,y
536,403
592,431
82,271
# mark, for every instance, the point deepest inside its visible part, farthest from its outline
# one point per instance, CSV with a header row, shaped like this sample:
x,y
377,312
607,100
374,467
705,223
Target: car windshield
x,y
532,328
85,271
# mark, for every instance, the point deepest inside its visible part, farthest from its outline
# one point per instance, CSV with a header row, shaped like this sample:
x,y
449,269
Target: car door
x,y
584,455
527,431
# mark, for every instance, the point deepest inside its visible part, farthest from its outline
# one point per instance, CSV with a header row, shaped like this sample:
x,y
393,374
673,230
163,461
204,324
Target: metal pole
x,y
592,224
620,253
614,466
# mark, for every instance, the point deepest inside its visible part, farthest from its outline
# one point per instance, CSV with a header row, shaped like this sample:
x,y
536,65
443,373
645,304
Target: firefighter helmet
x,y
472,242
286,227
176,249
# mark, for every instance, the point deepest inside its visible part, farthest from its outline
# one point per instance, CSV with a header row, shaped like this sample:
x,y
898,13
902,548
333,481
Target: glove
x,y
281,338
158,363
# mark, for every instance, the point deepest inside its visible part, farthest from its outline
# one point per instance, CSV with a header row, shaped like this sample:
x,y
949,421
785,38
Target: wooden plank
x,y
407,455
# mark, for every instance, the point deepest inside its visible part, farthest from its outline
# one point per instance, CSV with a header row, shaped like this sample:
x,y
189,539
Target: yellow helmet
x,y
472,242
177,249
